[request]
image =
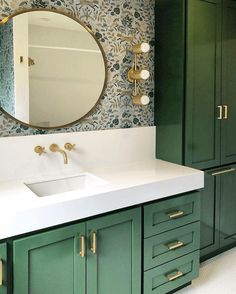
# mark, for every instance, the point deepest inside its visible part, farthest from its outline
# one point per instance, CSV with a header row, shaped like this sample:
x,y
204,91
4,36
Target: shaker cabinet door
x,y
3,268
228,207
50,262
228,145
210,197
114,258
202,145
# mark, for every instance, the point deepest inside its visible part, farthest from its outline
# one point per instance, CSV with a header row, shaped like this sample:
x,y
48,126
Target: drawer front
x,y
172,275
167,246
170,214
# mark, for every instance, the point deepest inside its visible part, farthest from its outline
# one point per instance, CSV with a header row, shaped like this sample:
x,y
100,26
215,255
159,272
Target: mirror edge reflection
x,y
22,11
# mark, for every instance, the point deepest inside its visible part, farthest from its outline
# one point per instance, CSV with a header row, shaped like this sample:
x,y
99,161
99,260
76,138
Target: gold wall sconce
x,y
136,75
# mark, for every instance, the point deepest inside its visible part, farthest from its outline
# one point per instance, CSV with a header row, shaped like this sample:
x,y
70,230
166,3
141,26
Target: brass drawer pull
x,y
221,112
175,245
94,243
175,214
230,170
82,246
174,276
1,274
225,111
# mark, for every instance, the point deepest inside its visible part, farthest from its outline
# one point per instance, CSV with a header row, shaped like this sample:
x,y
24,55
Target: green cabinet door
x,y
3,268
229,82
228,206
203,70
114,266
50,262
210,197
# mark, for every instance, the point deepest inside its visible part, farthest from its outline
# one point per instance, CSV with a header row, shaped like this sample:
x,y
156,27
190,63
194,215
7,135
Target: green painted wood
x,y
157,252
228,207
228,145
169,79
50,262
156,282
3,258
156,215
116,266
203,82
210,216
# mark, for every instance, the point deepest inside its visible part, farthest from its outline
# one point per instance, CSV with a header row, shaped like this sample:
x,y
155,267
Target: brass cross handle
x,y
69,146
39,150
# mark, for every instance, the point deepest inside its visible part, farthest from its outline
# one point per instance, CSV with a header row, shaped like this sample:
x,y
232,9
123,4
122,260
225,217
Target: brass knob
x,y
69,146
39,150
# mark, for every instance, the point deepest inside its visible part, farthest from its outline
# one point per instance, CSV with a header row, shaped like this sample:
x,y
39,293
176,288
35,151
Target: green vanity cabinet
x,y
195,109
218,206
3,268
228,145
115,267
171,243
50,262
99,256
196,82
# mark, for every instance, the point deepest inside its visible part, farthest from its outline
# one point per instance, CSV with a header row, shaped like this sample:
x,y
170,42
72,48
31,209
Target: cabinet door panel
x,y
203,71
228,208
229,82
3,269
116,266
50,263
210,197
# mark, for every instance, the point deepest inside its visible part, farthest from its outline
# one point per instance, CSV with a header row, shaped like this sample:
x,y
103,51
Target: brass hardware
x,y
175,245
230,170
56,148
4,20
1,272
138,74
69,146
225,107
175,214
141,48
21,59
175,275
221,112
39,150
94,243
31,62
141,100
82,246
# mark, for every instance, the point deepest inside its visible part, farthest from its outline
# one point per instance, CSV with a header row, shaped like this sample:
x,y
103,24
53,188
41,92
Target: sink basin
x,y
80,182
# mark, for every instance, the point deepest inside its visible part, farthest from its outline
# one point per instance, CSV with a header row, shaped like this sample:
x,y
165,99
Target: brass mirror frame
x,y
7,18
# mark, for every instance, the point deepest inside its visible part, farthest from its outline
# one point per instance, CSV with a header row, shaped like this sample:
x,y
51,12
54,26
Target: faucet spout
x,y
56,148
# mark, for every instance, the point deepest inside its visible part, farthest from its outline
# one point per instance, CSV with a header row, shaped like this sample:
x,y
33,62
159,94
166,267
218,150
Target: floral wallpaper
x,y
7,68
117,24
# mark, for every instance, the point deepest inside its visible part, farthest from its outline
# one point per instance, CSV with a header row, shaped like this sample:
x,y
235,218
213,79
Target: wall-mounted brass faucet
x,y
56,148
69,146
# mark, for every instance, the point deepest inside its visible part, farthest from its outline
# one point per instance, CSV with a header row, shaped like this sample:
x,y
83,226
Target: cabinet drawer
x,y
170,214
171,275
167,246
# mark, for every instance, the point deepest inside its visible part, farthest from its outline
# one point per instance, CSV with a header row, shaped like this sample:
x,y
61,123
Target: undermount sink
x,y
80,182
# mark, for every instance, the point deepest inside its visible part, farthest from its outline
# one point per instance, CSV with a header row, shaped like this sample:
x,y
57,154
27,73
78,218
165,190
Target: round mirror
x,y
52,69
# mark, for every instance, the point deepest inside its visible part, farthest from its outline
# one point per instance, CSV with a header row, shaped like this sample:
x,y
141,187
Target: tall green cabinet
x,y
93,257
3,268
195,103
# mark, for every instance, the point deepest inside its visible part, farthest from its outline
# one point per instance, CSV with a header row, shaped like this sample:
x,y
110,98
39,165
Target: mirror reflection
x,y
52,69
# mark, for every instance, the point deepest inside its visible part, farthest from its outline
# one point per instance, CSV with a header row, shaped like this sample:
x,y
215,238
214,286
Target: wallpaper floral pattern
x,y
116,23
7,68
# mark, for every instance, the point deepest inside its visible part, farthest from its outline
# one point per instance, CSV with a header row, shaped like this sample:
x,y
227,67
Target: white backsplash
x,y
95,149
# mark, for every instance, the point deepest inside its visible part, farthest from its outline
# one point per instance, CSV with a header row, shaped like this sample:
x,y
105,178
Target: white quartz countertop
x,y
126,185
